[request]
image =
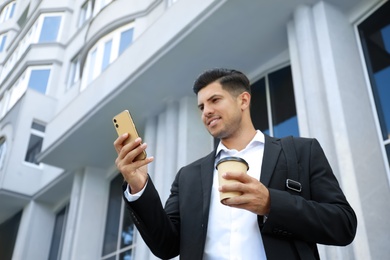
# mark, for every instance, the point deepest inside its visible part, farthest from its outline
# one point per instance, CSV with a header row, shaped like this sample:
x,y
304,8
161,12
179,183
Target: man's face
x,y
221,112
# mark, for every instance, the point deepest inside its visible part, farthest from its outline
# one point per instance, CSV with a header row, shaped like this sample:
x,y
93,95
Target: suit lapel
x,y
206,171
272,149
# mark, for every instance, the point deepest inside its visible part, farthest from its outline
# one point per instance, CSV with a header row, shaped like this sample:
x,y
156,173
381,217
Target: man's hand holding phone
x,y
132,160
134,171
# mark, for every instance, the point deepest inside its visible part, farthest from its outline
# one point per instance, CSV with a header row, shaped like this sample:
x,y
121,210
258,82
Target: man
x,y
268,221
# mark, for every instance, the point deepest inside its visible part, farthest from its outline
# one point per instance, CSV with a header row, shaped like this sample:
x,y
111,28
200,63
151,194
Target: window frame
x,y
74,72
21,84
3,41
40,23
63,230
8,12
369,86
31,37
269,105
3,150
118,250
91,73
86,11
37,133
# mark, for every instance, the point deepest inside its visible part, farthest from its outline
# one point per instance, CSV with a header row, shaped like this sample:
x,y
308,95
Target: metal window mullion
x,y
269,107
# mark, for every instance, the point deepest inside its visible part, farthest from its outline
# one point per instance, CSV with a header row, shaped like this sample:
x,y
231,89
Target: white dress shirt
x,y
234,233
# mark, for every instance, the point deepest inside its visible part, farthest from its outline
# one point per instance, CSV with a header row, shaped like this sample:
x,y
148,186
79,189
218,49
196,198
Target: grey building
x,y
318,69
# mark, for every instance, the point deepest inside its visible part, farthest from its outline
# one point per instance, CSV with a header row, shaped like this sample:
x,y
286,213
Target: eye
x,y
215,100
201,107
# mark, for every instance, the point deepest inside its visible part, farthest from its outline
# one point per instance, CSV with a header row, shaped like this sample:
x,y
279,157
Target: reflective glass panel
x,y
126,255
57,234
8,233
38,80
50,28
113,216
11,13
126,39
2,42
127,235
34,148
284,115
106,54
259,111
375,37
92,60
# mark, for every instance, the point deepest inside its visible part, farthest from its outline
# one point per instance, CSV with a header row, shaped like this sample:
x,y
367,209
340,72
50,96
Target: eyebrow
x,y
210,98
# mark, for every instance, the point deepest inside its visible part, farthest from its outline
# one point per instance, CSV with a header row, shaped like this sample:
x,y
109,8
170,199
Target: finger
x,y
131,169
129,147
239,176
130,156
118,143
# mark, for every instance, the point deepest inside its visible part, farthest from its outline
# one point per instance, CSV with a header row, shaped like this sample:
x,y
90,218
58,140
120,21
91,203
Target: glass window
x,y
273,104
92,61
39,79
7,12
284,115
375,37
119,230
35,77
35,143
58,234
105,51
85,12
3,38
106,54
126,39
45,29
74,74
8,233
259,110
3,150
50,29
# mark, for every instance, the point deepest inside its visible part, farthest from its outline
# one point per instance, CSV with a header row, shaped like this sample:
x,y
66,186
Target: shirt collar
x,y
258,138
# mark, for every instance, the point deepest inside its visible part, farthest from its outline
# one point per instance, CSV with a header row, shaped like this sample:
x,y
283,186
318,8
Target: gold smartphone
x,y
123,123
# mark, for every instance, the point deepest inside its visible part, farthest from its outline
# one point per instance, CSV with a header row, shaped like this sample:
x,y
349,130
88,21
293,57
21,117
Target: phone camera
x,y
114,120
116,125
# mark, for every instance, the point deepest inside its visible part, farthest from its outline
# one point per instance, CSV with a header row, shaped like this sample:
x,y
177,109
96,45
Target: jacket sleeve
x,y
324,216
159,231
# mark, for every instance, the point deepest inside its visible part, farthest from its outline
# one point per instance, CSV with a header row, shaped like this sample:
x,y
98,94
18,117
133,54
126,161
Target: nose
x,y
207,110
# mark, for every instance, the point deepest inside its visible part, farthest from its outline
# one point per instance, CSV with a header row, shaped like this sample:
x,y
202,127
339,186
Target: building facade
x,y
318,69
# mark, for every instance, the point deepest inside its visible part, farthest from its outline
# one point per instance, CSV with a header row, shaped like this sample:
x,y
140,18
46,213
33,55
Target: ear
x,y
245,99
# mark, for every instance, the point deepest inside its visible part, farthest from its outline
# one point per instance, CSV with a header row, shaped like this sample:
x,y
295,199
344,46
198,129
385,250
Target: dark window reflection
x,y
127,235
284,115
388,153
278,95
259,106
375,37
55,248
126,255
113,216
8,233
114,231
34,148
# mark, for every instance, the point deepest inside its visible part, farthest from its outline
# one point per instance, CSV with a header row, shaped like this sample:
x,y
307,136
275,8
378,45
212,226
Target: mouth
x,y
213,121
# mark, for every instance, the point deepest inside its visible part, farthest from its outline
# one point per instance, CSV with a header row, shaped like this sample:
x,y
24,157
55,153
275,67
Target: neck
x,y
240,140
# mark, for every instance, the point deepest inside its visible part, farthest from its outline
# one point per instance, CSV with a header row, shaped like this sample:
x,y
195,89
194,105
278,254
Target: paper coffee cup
x,y
230,164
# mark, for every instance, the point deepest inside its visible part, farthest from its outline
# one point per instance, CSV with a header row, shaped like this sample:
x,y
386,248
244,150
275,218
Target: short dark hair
x,y
234,81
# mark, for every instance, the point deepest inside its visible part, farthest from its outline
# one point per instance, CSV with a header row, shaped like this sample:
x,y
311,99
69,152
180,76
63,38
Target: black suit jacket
x,y
295,224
